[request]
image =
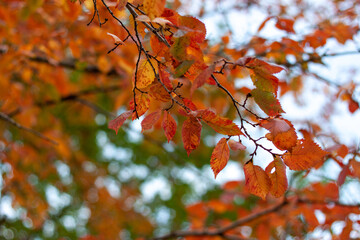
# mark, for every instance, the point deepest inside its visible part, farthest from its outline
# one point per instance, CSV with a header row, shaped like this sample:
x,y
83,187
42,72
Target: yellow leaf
x,y
154,8
145,73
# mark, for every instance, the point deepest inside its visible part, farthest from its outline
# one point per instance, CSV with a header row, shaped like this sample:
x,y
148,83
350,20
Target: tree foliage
x,y
81,79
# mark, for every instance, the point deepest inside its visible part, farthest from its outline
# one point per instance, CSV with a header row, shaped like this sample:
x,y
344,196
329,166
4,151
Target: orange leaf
x,y
262,25
285,24
236,146
267,101
220,156
158,92
256,180
116,123
154,8
202,78
219,124
121,4
169,125
304,155
355,165
282,133
149,120
142,105
278,177
191,131
197,28
145,73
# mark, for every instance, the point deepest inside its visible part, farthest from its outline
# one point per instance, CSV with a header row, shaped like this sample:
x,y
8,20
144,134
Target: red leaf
x,y
191,131
149,120
116,123
342,175
219,124
256,180
220,156
202,78
236,146
169,125
278,177
305,155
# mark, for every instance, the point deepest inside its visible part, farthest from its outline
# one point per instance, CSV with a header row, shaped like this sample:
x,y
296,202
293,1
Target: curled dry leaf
x,y
117,40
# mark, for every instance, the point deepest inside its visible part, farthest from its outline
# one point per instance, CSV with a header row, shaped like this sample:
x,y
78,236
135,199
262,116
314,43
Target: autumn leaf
x,y
116,123
261,73
276,171
304,155
282,133
169,125
178,48
115,38
142,105
197,28
219,124
120,4
183,68
342,175
220,156
145,73
191,131
267,101
149,120
154,8
285,24
158,92
256,180
202,78
355,165
236,146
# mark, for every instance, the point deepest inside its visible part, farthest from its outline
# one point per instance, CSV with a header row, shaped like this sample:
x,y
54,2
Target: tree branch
x,y
221,231
71,97
242,221
8,119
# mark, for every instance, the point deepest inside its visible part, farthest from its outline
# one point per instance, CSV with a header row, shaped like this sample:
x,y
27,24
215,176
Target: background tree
x,y
72,70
